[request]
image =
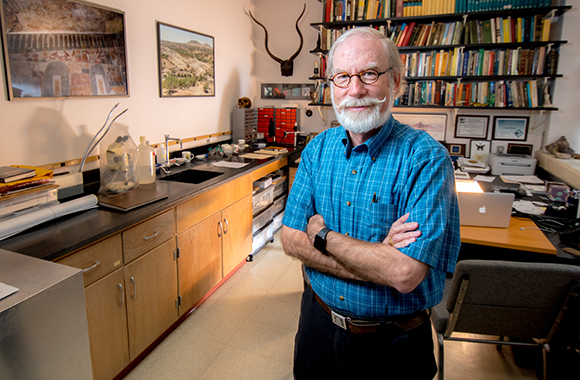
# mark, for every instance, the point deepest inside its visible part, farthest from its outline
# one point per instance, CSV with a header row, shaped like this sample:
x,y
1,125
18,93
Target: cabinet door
x,y
151,291
237,237
200,260
107,323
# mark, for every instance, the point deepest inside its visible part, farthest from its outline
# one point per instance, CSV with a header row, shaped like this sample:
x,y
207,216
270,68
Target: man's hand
x,y
402,234
315,224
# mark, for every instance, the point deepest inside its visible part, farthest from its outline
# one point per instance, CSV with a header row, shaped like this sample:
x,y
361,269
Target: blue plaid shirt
x,y
409,172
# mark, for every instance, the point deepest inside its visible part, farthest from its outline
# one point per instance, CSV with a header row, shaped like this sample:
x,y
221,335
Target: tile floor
x,y
245,330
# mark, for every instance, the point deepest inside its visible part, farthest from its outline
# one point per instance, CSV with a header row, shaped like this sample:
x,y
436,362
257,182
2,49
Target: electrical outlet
x,y
208,140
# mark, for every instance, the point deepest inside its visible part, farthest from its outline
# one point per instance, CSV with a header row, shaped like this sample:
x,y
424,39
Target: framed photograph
x,y
287,91
61,49
510,128
434,124
480,150
471,127
186,62
520,149
456,150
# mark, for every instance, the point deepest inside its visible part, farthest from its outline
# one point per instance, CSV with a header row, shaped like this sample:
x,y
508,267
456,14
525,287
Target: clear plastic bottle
x,y
146,162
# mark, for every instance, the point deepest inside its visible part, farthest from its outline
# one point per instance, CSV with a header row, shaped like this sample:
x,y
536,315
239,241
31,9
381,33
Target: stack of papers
x,y
531,179
472,166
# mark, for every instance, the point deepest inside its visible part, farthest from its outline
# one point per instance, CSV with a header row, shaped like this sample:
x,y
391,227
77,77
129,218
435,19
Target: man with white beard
x,y
373,216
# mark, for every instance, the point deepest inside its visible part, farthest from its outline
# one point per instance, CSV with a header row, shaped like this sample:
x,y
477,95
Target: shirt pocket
x,y
377,222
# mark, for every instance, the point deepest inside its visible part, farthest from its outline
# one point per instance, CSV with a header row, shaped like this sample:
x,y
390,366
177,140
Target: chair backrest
x,y
506,298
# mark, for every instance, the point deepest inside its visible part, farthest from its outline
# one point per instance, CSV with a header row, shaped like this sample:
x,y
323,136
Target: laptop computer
x,y
485,209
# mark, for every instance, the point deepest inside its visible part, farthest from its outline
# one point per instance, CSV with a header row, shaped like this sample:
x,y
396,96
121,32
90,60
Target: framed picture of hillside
x,y
63,49
186,62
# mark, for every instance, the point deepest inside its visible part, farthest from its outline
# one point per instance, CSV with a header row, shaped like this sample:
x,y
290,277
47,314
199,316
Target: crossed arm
x,y
354,259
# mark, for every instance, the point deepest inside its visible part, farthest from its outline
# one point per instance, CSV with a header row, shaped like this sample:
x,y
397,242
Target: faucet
x,y
167,163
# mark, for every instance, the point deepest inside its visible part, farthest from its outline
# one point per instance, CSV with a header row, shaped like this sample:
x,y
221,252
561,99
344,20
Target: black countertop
x,y
57,238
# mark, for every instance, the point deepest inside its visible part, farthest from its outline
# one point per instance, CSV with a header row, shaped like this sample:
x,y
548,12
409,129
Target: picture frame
x,y
479,150
520,149
471,126
433,123
301,91
69,56
510,128
186,62
456,150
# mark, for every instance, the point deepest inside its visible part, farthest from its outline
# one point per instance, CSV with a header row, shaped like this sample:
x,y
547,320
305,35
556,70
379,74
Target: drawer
x,y
97,260
262,219
197,209
262,199
280,187
145,236
279,205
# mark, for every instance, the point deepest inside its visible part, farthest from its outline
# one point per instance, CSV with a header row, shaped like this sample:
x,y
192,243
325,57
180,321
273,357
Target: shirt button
x,y
341,298
348,203
374,159
354,172
347,234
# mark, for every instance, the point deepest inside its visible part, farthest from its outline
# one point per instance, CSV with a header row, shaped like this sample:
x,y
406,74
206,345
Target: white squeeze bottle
x,y
146,162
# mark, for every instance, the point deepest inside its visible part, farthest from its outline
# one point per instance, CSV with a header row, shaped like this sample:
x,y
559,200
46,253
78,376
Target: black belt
x,y
361,327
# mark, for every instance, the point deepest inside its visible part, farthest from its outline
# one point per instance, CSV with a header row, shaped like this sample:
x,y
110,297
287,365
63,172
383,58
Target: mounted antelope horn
x,y
286,66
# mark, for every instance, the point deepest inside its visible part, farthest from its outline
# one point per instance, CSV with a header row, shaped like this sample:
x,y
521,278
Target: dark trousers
x,y
323,350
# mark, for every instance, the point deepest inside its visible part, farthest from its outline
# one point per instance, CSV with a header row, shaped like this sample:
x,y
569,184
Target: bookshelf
x,y
505,57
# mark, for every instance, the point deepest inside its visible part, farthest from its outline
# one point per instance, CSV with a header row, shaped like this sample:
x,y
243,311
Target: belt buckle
x,y
338,320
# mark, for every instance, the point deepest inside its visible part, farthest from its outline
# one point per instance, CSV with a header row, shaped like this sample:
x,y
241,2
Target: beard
x,y
363,121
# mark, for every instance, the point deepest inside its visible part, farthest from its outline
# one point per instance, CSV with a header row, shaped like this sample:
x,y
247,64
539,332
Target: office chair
x,y
506,299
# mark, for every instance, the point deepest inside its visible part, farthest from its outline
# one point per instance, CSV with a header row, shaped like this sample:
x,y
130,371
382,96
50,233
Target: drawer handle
x,y
134,288
152,236
227,226
220,229
96,264
122,295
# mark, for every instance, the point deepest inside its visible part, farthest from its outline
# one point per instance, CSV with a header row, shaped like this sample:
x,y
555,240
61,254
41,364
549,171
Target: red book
x,y
408,31
399,8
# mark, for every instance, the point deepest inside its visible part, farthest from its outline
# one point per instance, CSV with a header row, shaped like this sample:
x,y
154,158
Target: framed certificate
x,y
433,124
510,128
471,127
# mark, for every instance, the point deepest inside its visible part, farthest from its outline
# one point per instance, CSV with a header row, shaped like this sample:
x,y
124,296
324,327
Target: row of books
x,y
460,63
488,31
26,192
505,94
358,10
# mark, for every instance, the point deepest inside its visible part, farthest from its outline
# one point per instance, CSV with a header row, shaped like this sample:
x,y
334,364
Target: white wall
x,y
242,64
566,121
279,17
35,131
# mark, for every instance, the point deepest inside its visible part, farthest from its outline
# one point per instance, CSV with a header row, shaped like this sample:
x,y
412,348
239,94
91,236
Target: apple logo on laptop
x,y
482,210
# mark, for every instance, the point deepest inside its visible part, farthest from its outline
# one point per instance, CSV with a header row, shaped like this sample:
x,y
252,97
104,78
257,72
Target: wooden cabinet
x,y
200,261
151,293
105,302
214,236
237,233
107,323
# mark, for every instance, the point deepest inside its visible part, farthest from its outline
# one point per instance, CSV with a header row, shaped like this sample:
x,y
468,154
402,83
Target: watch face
x,y
320,240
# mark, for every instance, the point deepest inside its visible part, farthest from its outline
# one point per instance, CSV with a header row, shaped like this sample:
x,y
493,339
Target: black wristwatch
x,y
320,240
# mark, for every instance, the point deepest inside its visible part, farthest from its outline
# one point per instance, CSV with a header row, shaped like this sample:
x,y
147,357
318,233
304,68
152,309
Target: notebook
x,y
485,209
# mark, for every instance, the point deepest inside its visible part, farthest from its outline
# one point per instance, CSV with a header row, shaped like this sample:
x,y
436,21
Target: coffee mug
x,y
187,155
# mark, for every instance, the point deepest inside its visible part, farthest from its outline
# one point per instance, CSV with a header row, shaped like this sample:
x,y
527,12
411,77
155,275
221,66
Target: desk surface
x,y
513,237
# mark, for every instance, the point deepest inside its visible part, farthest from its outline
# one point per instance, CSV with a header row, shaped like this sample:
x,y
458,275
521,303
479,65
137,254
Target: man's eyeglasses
x,y
368,76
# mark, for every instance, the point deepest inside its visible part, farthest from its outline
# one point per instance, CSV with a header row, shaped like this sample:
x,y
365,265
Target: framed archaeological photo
x,y
510,128
63,48
186,62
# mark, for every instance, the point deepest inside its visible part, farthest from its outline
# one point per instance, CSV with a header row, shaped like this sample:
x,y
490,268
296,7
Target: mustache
x,y
361,102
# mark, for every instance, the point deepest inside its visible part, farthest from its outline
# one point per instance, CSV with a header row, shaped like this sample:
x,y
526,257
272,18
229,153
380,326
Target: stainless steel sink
x,y
192,176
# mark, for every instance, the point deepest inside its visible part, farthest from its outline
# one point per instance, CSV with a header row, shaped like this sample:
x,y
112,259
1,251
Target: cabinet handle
x,y
122,295
152,236
220,229
134,288
96,264
227,226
